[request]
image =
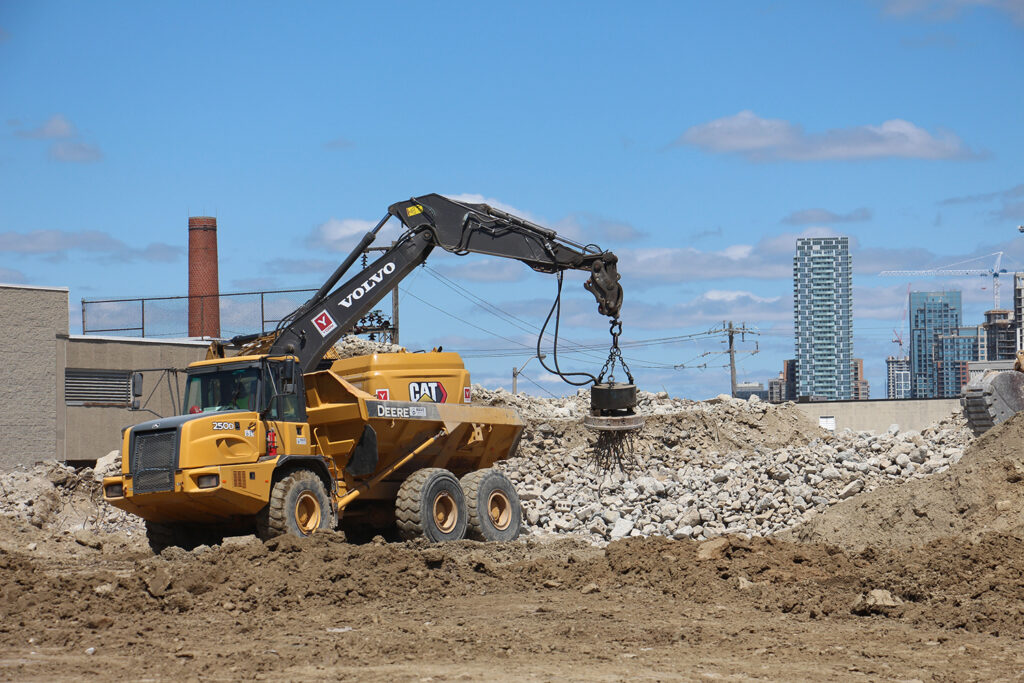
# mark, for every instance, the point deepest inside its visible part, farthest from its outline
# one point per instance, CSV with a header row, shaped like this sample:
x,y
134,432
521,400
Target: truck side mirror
x,y
288,376
136,384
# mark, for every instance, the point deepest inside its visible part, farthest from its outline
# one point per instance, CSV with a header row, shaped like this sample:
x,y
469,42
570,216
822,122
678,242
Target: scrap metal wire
x,y
615,451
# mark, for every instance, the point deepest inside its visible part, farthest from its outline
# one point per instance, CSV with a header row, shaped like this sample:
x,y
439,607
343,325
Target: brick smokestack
x,y
203,288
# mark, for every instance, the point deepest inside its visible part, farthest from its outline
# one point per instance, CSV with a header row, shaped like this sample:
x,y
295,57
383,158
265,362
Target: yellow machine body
x,y
414,403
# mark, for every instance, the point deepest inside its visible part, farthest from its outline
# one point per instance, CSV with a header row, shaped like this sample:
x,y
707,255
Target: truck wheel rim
x,y
307,512
499,510
446,513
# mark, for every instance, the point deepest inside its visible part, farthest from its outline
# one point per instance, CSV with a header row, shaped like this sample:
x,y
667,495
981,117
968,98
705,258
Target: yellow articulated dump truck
x,y
284,437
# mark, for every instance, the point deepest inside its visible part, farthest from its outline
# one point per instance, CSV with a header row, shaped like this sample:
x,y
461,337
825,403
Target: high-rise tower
x,y
823,317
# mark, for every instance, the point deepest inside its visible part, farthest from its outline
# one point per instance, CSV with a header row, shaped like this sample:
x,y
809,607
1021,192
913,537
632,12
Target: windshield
x,y
226,389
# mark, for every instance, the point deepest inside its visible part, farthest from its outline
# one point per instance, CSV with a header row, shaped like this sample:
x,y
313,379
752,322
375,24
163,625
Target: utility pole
x,y
732,360
730,330
389,333
394,315
518,371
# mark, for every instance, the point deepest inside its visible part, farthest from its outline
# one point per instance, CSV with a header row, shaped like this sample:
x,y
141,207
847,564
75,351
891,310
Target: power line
x,y
544,389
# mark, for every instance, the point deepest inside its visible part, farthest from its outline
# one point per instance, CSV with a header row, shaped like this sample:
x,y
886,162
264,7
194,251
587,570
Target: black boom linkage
x,y
458,227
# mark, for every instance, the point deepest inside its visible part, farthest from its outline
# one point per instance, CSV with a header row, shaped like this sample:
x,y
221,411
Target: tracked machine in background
x,y
284,438
994,397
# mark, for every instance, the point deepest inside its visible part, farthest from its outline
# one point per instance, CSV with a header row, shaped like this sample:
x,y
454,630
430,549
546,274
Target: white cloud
x,y
75,152
472,198
57,126
342,235
946,10
339,143
819,216
760,139
730,296
709,308
770,258
590,228
485,270
55,244
1011,200
12,277
66,147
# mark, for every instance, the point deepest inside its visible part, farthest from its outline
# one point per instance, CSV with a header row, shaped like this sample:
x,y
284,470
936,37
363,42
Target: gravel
x,y
692,481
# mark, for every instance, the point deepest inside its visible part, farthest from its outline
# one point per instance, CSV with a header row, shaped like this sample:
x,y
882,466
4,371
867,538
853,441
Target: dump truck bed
x,y
465,437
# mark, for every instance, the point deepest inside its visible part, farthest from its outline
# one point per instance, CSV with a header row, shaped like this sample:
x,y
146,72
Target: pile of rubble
x,y
707,468
698,469
59,498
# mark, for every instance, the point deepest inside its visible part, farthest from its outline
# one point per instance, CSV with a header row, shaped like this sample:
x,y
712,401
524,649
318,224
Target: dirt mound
x,y
982,493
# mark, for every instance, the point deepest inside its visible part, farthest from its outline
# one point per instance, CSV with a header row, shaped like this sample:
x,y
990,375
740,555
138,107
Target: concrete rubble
x,y
702,469
707,468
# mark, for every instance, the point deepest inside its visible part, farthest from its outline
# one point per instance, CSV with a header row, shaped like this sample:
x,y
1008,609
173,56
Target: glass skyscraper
x,y
939,347
823,318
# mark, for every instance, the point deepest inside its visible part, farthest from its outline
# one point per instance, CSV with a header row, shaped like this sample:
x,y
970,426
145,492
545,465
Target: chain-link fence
x,y
240,313
167,316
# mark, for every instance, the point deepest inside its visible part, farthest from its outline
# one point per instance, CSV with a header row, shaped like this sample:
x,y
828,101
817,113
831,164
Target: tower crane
x,y
898,334
951,271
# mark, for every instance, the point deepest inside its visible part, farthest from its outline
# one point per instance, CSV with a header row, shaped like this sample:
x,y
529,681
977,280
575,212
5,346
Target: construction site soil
x,y
920,580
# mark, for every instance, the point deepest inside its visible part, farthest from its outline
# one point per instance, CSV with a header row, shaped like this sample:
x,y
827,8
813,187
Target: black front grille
x,y
154,460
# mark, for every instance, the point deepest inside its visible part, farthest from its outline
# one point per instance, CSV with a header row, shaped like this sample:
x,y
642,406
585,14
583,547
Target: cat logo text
x,y
427,391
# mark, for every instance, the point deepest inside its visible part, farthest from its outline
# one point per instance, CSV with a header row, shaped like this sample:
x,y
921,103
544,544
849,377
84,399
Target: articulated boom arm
x,y
461,228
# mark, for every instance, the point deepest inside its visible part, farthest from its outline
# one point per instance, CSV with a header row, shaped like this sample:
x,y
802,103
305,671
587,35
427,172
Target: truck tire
x,y
299,505
495,513
431,504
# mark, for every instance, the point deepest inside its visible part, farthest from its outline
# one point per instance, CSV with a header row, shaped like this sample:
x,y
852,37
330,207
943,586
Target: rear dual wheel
x,y
495,513
433,504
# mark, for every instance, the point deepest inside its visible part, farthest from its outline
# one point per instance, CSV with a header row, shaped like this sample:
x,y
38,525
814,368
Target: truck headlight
x,y
114,490
208,481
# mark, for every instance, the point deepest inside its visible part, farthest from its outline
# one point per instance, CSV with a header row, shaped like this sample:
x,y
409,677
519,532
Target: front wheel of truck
x,y
299,505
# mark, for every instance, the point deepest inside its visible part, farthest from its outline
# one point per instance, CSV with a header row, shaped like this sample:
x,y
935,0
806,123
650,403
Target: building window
x,y
107,387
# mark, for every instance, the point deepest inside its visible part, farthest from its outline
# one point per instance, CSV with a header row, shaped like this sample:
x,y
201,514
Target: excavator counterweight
x,y
994,397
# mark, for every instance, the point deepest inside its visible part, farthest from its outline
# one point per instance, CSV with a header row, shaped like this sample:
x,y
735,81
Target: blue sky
x,y
696,140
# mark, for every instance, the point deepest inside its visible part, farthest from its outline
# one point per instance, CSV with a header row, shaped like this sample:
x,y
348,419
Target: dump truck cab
x,y
241,416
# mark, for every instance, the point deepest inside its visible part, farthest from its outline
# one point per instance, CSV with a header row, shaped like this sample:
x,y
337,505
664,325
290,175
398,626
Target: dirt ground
x,y
545,609
918,582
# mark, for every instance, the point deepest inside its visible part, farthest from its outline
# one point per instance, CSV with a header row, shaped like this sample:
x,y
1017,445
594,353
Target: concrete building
x,y
977,369
783,387
745,390
67,397
998,336
1018,308
823,318
861,387
33,320
897,377
953,352
931,314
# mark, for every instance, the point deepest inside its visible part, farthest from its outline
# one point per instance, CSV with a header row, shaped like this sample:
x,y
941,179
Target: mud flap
x,y
364,456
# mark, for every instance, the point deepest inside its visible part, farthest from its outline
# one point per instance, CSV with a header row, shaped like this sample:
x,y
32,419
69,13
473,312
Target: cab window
x,y
289,408
226,389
